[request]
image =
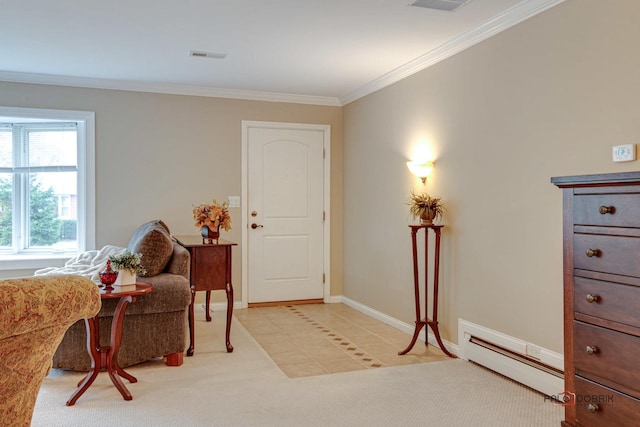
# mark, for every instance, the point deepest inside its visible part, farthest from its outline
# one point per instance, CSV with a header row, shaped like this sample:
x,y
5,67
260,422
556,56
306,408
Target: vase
x,y
125,277
427,217
108,276
209,235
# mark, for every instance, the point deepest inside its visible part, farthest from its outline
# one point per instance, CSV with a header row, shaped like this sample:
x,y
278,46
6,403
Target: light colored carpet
x,y
245,388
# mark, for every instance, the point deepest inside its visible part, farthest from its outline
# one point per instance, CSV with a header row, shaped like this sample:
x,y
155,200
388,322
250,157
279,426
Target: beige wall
x,y
546,98
158,155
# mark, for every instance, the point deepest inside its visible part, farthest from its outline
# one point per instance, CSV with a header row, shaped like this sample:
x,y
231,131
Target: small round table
x,y
107,356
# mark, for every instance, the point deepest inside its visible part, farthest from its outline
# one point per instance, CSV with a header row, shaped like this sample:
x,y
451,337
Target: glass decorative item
x,y
108,276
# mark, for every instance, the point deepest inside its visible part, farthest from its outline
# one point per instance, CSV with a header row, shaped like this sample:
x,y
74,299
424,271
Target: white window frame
x,y
86,186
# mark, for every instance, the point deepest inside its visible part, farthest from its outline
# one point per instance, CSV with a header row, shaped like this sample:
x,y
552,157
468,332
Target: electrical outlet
x,y
534,351
624,153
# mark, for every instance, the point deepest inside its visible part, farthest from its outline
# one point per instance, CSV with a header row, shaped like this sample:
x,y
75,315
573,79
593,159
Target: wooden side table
x,y
107,356
426,321
210,271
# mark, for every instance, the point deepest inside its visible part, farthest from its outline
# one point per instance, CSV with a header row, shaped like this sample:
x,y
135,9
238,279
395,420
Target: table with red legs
x,y
426,321
107,356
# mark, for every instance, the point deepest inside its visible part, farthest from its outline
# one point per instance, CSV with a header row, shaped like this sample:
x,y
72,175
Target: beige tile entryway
x,y
318,339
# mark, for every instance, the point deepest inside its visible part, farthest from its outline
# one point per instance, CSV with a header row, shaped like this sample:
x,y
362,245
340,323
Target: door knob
x,y
254,226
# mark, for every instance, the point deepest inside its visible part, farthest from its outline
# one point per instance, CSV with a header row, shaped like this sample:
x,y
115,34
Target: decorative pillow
x,y
160,223
153,241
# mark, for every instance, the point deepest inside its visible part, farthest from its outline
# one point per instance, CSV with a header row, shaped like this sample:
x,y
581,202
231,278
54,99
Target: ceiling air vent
x,y
448,5
211,55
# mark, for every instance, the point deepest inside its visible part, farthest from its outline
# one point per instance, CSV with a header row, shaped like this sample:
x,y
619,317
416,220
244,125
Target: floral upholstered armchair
x,y
35,312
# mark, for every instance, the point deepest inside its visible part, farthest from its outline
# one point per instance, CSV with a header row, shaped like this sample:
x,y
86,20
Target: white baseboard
x,y
222,306
333,299
533,377
398,324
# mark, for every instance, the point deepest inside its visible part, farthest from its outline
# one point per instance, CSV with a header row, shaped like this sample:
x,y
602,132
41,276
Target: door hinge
x,y
324,153
324,278
324,215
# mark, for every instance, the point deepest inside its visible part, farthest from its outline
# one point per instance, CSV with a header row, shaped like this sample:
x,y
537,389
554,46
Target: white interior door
x,y
285,213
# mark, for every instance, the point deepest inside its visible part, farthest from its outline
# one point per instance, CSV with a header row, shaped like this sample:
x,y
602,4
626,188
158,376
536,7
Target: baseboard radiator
x,y
526,363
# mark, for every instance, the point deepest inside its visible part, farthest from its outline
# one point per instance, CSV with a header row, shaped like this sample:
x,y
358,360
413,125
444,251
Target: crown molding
x,y
501,22
174,89
507,19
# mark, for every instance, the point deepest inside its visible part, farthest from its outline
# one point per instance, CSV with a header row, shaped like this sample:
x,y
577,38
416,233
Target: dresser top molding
x,y
622,178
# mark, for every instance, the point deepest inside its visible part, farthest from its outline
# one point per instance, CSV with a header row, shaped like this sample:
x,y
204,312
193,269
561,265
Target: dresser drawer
x,y
606,300
614,359
599,406
607,254
614,210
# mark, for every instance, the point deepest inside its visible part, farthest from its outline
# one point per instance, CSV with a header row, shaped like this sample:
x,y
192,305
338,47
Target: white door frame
x,y
326,130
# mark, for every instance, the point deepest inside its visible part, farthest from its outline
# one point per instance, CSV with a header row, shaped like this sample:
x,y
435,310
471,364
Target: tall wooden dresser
x,y
601,234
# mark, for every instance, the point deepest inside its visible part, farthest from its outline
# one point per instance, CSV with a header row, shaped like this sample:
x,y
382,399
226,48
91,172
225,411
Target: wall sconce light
x,y
421,169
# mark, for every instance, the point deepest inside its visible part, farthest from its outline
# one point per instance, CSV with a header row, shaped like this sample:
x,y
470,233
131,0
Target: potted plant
x,y
210,218
425,207
128,265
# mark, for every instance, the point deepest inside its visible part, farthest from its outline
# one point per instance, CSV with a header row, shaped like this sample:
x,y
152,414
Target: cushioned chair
x,y
35,312
155,325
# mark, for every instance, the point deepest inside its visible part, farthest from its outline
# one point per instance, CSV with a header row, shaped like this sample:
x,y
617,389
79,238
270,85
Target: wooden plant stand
x,y
426,321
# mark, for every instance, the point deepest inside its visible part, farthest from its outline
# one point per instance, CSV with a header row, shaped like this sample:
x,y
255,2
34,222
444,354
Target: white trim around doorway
x,y
326,129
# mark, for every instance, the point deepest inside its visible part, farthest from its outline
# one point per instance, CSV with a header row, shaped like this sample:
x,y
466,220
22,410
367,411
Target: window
x,y
46,186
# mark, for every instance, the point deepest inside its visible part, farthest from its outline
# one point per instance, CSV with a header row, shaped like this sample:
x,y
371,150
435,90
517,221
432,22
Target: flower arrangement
x,y
128,261
425,207
212,215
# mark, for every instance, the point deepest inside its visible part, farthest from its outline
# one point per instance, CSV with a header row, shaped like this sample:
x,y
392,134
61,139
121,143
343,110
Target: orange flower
x,y
213,216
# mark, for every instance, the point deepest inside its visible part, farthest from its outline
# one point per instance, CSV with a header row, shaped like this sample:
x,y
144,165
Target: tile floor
x,y
317,339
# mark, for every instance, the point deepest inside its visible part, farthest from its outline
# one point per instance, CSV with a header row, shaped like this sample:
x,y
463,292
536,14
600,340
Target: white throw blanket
x,y
87,264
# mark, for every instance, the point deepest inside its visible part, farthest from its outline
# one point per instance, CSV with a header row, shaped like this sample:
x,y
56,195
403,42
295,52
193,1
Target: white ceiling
x,y
327,52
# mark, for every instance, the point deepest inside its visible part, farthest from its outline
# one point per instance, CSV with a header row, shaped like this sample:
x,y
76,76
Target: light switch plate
x,y
234,201
624,153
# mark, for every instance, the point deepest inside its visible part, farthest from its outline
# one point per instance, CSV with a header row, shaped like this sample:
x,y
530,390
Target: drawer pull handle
x,y
593,253
591,350
607,210
593,408
593,298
